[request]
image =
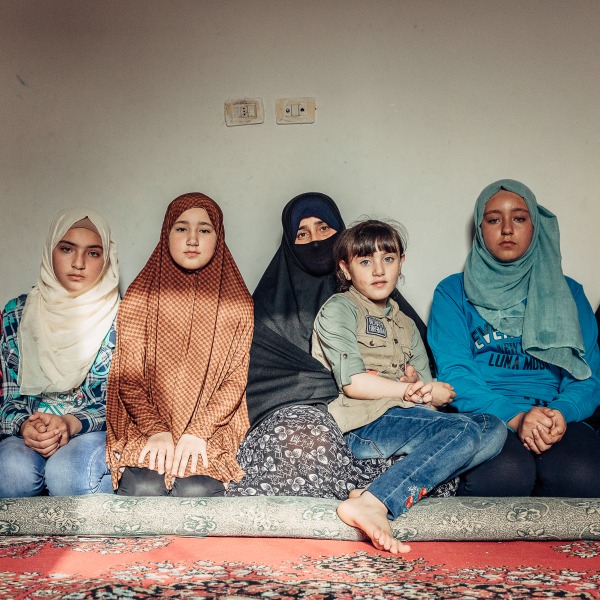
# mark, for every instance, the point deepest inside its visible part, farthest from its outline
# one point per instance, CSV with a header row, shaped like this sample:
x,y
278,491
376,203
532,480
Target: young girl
x,y
368,342
294,447
176,393
57,343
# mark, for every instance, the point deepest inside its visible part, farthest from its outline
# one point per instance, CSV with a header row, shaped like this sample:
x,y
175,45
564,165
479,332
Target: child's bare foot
x,y
370,514
357,492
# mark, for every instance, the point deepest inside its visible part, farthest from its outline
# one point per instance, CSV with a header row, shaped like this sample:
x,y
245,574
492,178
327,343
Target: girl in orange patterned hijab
x,y
176,408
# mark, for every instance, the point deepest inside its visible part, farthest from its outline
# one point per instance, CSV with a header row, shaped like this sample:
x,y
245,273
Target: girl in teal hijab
x,y
547,321
518,339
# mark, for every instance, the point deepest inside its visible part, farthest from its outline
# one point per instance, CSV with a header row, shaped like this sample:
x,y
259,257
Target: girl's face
x,y
192,239
313,229
374,276
506,226
78,259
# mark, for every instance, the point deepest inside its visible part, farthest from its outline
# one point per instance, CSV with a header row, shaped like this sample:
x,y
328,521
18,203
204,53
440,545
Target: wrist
x,y
516,421
73,424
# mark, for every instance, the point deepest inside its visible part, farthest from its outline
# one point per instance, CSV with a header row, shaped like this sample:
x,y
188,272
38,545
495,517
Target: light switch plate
x,y
244,111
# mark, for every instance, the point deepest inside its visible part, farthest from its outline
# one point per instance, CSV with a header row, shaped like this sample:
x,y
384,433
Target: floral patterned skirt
x,y
300,451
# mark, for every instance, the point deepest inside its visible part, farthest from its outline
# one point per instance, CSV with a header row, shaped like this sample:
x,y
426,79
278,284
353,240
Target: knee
x,y
469,432
510,473
579,481
79,468
493,435
141,482
198,486
22,470
571,466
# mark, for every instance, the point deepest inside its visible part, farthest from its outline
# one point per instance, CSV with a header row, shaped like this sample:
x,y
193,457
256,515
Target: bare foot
x,y
370,514
357,492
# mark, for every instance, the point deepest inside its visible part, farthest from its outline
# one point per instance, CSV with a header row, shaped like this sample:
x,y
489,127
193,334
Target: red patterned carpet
x,y
238,568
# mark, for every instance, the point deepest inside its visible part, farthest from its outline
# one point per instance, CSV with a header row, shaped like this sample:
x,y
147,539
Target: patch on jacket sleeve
x,y
376,326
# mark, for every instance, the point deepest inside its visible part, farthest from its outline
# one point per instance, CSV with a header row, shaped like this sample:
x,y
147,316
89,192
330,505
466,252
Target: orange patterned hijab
x,y
181,360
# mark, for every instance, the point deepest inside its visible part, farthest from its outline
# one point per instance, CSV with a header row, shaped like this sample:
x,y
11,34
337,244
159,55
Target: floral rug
x,y
171,567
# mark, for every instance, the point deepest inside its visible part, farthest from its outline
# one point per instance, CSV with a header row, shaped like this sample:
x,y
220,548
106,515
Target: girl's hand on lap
x,y
66,425
36,420
559,425
73,426
189,447
442,393
419,393
536,443
160,449
539,428
37,437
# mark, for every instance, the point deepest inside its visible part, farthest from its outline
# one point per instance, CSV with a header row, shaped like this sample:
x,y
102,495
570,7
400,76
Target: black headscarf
x,y
297,282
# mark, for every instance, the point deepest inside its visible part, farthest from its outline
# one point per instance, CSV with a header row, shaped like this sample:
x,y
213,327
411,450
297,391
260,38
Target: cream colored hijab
x,y
61,332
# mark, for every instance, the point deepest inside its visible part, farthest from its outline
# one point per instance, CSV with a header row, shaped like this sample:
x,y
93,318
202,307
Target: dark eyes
x,y
182,229
496,220
69,250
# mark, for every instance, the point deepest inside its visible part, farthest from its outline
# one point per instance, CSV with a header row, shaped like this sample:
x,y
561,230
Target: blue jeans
x,y
73,470
435,446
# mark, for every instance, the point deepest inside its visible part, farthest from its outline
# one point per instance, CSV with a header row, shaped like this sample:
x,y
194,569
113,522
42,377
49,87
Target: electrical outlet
x,y
295,110
244,111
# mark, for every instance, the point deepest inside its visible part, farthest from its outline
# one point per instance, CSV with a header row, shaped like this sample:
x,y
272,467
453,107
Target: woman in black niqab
x,y
294,447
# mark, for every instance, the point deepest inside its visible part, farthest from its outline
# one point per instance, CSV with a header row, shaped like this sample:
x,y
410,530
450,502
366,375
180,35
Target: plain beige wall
x,y
420,104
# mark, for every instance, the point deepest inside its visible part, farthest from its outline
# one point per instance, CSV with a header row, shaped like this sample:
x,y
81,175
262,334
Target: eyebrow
x,y
206,223
316,223
73,245
496,210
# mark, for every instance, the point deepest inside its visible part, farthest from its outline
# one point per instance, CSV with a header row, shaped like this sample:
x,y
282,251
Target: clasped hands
x,y
46,433
434,393
164,456
539,428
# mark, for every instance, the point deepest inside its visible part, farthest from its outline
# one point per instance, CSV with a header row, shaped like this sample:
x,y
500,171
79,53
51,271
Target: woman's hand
x,y
539,428
419,393
160,447
37,437
542,438
442,393
46,433
189,447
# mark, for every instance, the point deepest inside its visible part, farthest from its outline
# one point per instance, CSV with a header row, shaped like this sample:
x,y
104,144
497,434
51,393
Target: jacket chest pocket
x,y
377,353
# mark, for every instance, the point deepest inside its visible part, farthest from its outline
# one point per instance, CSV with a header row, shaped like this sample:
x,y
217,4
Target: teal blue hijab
x,y
528,297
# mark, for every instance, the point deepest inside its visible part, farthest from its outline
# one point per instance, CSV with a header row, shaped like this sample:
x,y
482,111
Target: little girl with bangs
x,y
369,344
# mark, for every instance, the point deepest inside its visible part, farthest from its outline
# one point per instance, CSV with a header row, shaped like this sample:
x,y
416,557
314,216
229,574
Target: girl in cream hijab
x,y
56,347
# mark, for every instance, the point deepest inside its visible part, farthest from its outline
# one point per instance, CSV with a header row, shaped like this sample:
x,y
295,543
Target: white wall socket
x,y
295,110
244,111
